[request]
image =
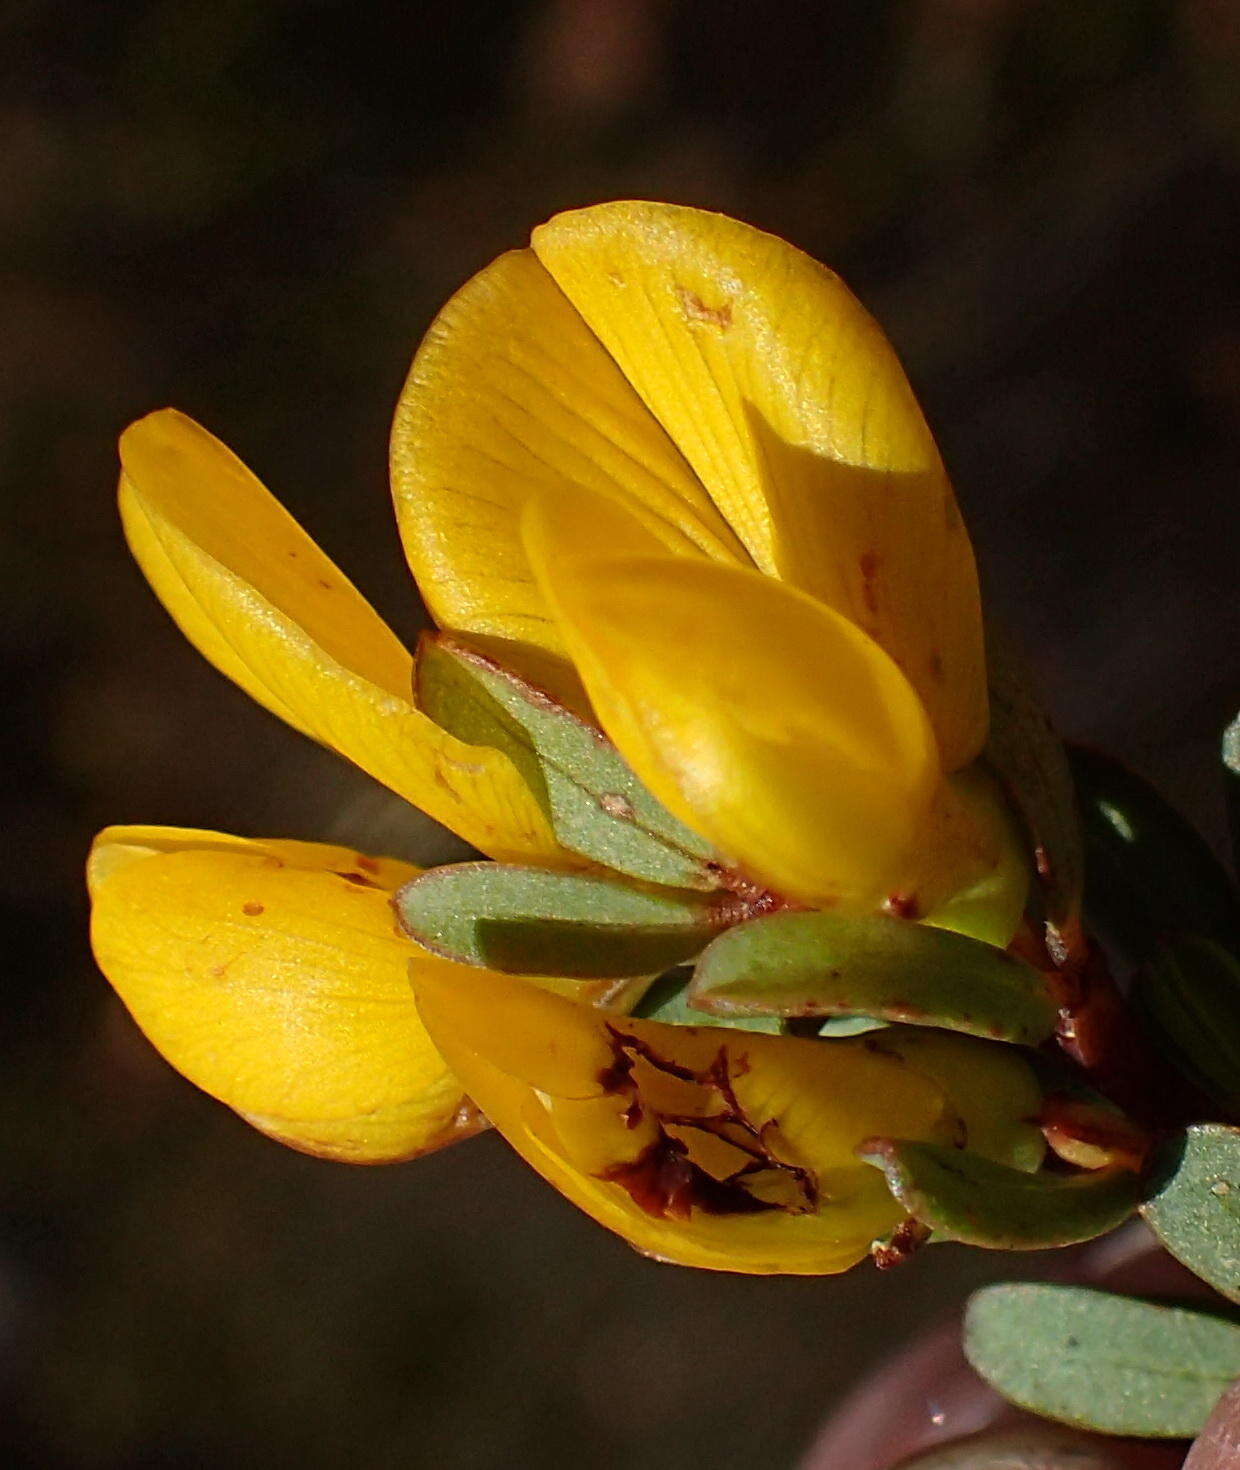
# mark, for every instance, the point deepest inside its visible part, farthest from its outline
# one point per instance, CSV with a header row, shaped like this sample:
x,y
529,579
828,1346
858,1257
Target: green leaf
x,y
1035,1447
1195,1209
1100,1361
534,921
1231,781
838,1027
1189,992
1028,756
596,806
667,1001
1151,873
970,1199
820,964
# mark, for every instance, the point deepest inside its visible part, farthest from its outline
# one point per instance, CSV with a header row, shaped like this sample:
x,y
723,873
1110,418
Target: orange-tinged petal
x,y
580,1095
255,595
767,722
511,393
272,976
788,402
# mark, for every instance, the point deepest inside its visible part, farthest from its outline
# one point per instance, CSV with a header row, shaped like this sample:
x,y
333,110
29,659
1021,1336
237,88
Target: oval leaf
x,y
1151,873
968,1198
1195,1211
1218,1447
595,804
1100,1361
533,921
667,1001
1028,756
1190,994
820,964
1035,1447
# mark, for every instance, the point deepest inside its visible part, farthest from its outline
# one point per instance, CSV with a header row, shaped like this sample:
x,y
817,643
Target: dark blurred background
x,y
251,209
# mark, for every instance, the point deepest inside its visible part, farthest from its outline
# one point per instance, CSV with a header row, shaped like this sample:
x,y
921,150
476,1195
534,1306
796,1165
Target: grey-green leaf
x,y
1032,1447
533,921
1195,1207
1231,779
1190,993
823,964
1099,1361
965,1197
1028,756
595,804
667,1001
1150,872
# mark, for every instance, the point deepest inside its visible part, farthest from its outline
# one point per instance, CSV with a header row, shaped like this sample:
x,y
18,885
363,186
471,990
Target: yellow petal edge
x,y
259,599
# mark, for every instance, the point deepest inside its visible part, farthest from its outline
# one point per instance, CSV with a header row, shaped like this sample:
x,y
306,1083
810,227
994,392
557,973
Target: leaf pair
x,y
1106,1362
788,965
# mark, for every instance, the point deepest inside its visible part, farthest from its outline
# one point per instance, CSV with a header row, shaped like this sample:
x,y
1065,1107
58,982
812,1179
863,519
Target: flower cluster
x,y
709,691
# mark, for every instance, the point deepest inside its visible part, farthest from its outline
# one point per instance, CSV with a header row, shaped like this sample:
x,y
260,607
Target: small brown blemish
x,y
325,584
868,564
271,861
908,1236
902,906
616,805
445,785
367,864
252,908
218,970
936,666
696,310
664,1180
360,880
666,1183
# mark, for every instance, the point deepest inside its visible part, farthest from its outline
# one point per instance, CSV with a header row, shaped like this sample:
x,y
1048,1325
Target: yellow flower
x,y
666,468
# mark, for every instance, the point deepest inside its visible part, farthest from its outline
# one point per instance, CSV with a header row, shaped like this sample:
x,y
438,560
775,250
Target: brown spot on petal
x,y
253,908
367,864
696,310
902,906
667,1184
360,880
665,1180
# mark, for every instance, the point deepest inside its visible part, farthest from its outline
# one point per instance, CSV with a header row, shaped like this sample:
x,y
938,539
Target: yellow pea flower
x,y
708,1147
667,469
